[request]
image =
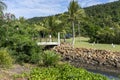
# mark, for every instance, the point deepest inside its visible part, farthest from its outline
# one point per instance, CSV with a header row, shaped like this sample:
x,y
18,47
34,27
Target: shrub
x,y
62,72
29,54
50,58
35,56
5,58
23,48
20,38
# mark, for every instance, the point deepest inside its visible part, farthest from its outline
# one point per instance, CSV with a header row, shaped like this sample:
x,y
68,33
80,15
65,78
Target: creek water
x,y
111,76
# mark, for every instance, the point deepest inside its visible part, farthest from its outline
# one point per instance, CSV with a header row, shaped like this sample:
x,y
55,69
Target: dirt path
x,y
8,74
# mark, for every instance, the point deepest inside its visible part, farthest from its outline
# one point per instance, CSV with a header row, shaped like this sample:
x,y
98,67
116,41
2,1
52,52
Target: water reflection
x,y
111,76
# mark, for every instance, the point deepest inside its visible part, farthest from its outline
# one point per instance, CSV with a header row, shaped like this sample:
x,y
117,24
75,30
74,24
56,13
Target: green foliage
x,y
5,58
20,38
2,6
73,9
60,22
107,35
27,52
105,14
54,25
50,58
35,56
107,18
69,72
62,72
73,12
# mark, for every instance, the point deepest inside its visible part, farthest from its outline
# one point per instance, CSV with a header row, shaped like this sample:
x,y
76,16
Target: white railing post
x,y
50,38
59,38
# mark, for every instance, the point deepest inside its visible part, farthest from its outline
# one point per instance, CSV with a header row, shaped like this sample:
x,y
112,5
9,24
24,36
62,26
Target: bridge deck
x,y
48,43
51,43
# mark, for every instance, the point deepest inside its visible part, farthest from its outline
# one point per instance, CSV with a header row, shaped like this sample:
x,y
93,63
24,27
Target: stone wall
x,y
89,56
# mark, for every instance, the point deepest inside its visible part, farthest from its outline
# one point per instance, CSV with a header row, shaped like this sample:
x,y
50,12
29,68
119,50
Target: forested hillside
x,y
101,15
106,21
101,21
105,14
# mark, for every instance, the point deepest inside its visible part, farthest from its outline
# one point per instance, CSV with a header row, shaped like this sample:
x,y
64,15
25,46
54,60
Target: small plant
x,y
35,57
5,58
50,58
61,72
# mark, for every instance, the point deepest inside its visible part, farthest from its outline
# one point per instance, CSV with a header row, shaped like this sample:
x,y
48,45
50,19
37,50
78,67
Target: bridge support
x,y
59,38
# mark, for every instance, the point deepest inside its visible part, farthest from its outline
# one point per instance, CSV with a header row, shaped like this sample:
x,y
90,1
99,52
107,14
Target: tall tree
x,y
2,7
81,17
54,25
73,10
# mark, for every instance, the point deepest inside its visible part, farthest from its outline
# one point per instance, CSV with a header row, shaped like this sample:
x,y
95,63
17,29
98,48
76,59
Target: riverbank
x,y
101,60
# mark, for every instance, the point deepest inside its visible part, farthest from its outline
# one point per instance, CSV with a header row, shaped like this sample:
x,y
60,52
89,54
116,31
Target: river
x,y
111,76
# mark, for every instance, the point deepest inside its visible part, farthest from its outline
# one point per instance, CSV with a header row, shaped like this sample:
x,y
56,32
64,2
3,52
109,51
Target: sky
x,y
38,8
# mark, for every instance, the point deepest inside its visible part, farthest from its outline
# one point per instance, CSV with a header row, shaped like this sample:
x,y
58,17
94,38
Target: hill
x,y
105,14
100,15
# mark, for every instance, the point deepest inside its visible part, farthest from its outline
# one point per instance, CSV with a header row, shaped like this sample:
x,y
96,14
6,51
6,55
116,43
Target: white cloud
x,y
86,3
112,0
32,8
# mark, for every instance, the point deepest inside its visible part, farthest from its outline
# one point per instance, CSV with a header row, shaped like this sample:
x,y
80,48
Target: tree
x,y
81,17
2,7
54,25
73,10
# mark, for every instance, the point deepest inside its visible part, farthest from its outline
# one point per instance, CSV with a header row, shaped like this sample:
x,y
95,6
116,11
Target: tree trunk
x,y
73,30
64,38
78,29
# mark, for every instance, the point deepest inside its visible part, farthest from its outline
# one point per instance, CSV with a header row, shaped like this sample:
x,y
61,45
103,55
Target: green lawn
x,y
82,42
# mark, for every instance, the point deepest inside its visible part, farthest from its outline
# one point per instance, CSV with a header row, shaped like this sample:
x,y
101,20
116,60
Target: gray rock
x,y
118,65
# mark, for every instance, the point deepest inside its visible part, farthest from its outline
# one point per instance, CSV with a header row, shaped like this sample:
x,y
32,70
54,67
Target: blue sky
x,y
33,8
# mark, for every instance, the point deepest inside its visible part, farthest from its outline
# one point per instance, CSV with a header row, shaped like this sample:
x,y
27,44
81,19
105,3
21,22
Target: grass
x,y
82,42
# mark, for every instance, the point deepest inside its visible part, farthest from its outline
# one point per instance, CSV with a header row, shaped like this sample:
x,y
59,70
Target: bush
x,y
29,54
35,56
62,72
5,58
50,58
20,38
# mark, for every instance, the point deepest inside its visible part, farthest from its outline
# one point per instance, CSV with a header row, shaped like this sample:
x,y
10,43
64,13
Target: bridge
x,y
50,42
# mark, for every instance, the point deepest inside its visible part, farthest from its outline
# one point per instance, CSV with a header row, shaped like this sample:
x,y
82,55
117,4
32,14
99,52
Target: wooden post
x,y
59,38
50,39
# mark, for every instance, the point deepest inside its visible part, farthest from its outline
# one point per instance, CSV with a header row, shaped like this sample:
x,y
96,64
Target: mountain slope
x,y
105,14
100,15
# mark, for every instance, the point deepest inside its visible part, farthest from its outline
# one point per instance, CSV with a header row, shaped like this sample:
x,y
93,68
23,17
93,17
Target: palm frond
x,y
3,6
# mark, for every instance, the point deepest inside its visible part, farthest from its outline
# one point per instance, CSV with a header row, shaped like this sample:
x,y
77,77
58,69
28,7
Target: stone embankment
x,y
90,57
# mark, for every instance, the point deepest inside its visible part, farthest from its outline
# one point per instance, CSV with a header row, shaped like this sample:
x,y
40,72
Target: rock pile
x,y
89,56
